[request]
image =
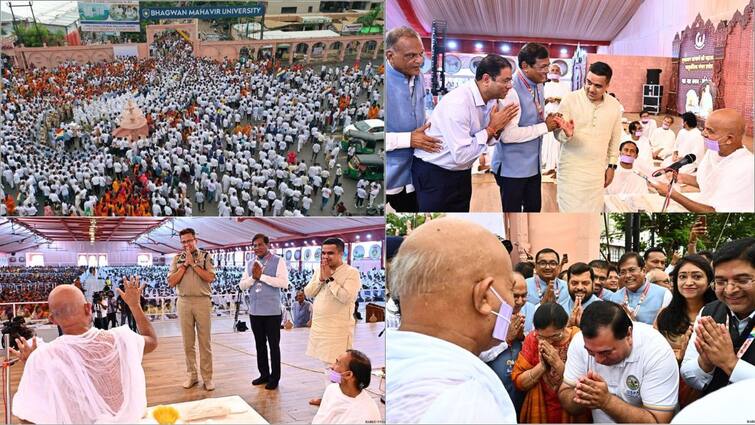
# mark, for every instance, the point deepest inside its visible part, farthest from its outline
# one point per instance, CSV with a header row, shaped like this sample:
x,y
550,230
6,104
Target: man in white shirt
x,y
623,371
663,138
345,401
626,181
264,278
466,120
726,175
450,314
648,123
689,140
405,129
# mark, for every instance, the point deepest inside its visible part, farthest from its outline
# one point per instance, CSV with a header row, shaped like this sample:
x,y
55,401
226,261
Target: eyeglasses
x,y
547,263
631,270
742,282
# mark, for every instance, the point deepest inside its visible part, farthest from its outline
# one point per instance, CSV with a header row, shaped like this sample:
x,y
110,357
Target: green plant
x,y
31,35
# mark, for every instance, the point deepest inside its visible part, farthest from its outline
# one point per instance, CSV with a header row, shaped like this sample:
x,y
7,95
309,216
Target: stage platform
x,y
235,365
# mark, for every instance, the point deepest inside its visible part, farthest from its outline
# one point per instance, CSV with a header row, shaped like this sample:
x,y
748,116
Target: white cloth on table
x,y
435,381
95,377
338,408
585,156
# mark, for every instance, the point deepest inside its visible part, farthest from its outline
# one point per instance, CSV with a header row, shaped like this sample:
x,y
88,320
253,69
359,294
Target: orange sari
x,y
541,404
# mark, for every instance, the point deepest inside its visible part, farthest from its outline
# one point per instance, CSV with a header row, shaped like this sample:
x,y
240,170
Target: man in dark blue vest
x,y
405,115
721,350
516,161
264,278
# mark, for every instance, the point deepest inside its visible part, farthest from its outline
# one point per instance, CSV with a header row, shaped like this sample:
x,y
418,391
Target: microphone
x,y
688,159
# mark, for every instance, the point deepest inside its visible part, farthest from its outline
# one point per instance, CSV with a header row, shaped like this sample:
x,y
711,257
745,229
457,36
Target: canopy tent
x,y
161,234
585,21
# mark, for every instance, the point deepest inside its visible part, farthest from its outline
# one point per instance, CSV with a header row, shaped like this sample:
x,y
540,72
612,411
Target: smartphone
x,y
702,220
565,258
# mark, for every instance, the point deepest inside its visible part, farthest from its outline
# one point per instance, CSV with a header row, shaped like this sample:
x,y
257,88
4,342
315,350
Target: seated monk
x,y
87,375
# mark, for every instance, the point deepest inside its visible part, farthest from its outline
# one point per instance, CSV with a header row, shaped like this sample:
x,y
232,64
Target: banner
x,y
127,50
110,16
202,12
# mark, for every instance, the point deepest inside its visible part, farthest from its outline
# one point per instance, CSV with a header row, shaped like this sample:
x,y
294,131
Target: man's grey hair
x,y
393,36
414,272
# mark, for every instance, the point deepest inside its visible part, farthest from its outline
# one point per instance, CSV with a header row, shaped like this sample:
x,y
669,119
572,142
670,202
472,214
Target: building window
x,y
86,259
288,9
144,260
35,260
309,9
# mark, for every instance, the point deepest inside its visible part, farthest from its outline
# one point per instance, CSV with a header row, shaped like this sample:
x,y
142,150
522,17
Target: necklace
x,y
535,97
644,295
540,291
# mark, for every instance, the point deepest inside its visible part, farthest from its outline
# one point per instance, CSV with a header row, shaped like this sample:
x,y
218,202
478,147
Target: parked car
x,y
371,130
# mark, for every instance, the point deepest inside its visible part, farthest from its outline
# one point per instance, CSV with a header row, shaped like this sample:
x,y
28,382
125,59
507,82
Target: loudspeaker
x,y
653,76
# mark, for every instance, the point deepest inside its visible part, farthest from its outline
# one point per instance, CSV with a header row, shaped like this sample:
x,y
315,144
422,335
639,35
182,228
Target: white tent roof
x,y
161,234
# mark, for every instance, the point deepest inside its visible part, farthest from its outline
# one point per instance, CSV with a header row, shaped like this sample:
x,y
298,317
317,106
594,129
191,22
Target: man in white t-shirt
x,y
623,371
345,401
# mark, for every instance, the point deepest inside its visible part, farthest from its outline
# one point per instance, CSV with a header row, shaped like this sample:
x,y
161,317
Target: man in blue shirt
x,y
545,281
301,311
516,161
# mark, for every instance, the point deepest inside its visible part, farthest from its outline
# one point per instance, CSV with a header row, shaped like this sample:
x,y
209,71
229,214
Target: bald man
x,y
726,175
87,375
455,304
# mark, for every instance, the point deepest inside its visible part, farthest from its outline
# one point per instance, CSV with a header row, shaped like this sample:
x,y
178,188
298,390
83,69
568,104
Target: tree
x,y
400,224
369,19
671,231
31,35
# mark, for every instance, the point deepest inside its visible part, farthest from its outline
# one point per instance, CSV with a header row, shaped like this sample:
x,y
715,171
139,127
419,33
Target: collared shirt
x,y
302,313
696,377
647,378
459,121
191,285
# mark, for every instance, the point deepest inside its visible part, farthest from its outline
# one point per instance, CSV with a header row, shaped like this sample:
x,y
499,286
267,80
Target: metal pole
x,y
8,397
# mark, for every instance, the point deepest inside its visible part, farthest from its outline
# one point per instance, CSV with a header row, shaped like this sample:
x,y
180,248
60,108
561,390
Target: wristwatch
x,y
612,166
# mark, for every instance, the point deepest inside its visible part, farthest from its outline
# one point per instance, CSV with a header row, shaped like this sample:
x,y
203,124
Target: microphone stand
x,y
674,177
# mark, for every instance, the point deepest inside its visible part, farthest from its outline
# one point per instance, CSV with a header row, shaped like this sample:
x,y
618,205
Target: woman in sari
x,y
691,290
539,369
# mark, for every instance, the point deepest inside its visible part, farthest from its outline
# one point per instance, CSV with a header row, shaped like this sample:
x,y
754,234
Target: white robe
x,y
551,147
688,142
727,183
95,377
338,408
664,140
626,182
435,381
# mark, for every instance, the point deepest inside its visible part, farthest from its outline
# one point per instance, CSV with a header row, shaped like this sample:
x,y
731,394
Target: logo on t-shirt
x,y
633,387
